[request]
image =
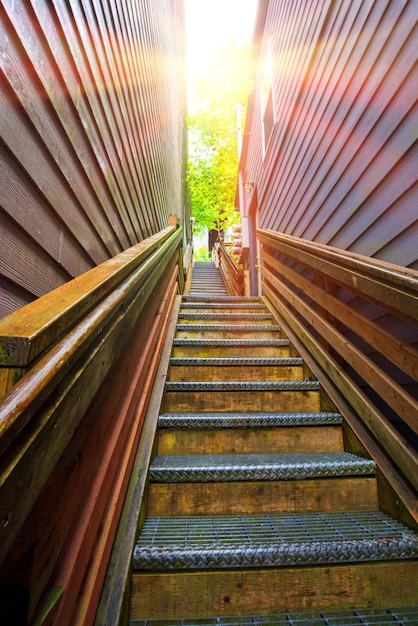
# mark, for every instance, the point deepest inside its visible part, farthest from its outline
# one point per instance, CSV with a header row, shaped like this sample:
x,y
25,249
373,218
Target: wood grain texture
x,y
34,328
89,394
236,373
249,592
395,457
248,498
241,401
338,167
93,137
196,351
247,440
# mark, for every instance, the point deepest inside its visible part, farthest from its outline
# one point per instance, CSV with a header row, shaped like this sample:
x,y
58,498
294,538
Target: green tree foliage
x,y
213,157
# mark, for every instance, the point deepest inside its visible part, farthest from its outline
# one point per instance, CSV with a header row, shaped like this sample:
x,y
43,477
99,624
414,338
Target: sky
x,y
210,25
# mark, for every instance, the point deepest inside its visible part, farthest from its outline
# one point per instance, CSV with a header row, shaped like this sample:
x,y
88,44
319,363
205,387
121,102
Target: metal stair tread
x,y
174,543
257,467
228,327
307,385
224,316
402,616
204,421
235,361
187,341
219,305
203,298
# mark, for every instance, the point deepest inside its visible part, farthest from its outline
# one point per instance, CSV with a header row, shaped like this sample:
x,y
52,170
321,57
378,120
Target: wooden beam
x,y
116,585
393,288
385,443
393,394
30,330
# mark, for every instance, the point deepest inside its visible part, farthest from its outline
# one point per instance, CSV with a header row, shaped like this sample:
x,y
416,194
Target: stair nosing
x,y
224,316
233,361
280,555
205,421
202,298
178,341
257,467
227,328
400,616
236,306
308,385
272,540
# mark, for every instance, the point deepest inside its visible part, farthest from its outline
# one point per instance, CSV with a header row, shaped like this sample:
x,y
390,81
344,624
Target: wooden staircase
x,y
255,512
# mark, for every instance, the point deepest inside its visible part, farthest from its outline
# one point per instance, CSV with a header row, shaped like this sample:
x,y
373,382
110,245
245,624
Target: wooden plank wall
x,y
92,135
340,166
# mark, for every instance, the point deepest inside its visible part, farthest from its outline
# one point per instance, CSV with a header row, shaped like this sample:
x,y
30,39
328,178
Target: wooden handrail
x,y
392,287
232,274
120,318
29,331
321,294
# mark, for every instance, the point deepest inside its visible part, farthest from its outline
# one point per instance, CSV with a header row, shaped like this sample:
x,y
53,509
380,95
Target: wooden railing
x,y
356,320
232,274
77,370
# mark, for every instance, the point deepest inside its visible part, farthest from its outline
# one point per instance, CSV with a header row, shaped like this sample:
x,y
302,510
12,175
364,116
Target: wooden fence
x,y
78,366
357,319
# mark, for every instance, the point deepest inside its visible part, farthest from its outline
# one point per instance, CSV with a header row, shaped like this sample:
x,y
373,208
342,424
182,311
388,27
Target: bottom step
x,y
404,616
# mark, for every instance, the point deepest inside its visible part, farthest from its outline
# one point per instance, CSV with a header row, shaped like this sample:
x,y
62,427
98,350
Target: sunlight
x,y
209,27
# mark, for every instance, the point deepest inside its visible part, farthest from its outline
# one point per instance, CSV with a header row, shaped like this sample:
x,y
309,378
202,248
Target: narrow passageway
x,y
207,279
254,507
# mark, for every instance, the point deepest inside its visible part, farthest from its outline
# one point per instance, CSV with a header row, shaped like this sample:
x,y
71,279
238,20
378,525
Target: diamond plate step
x,y
208,421
234,306
228,347
231,343
249,317
234,361
257,467
263,541
308,385
222,299
401,616
227,328
243,433
285,396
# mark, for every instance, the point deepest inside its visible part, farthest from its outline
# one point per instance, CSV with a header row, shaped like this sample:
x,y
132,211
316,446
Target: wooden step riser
x,y
247,373
234,321
202,352
230,311
241,401
201,287
227,334
251,440
263,591
247,498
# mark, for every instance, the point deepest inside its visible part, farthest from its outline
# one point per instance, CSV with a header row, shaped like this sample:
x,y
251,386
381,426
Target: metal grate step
x,y
205,421
178,543
257,467
403,616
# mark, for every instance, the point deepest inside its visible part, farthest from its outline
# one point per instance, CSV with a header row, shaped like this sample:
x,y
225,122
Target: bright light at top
x,y
211,25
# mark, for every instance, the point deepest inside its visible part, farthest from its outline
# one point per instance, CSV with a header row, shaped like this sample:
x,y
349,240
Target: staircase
x,y
207,280
254,507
